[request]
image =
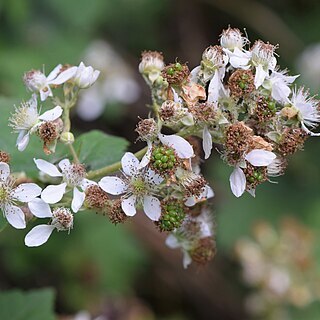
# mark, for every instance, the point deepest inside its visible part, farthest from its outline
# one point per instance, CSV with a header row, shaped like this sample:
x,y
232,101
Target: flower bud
x,y
34,80
62,219
85,77
67,138
151,64
4,157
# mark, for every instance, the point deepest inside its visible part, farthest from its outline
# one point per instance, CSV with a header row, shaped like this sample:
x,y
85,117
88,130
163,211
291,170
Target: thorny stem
x,y
113,167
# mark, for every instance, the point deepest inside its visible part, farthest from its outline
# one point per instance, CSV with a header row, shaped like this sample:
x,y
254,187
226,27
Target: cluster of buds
x,y
279,265
236,98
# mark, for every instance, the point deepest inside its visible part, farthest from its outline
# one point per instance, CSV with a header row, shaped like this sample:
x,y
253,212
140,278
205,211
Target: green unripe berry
x,y
178,66
158,156
271,106
242,85
170,71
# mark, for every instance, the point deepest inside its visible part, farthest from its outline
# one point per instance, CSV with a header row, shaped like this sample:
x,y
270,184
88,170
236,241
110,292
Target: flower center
x,y
62,219
138,186
75,174
4,194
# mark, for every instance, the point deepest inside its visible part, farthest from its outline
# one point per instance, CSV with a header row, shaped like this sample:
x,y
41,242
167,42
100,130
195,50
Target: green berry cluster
x,y
256,177
163,158
172,216
175,67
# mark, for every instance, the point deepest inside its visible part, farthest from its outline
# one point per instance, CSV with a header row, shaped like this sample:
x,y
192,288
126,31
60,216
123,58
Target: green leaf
x,y
35,305
96,149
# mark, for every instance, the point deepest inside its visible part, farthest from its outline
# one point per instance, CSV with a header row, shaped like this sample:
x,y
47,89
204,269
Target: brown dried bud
x,y
4,157
176,73
289,112
291,141
241,83
48,132
265,109
147,129
195,186
203,112
169,110
96,198
204,251
238,140
115,213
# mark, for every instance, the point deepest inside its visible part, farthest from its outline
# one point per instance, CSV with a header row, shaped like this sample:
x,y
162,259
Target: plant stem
x,y
74,154
112,167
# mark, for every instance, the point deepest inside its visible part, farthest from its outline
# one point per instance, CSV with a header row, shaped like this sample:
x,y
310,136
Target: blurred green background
x,y
126,272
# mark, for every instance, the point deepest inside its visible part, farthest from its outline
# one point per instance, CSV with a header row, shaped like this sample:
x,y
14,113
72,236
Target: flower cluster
x,y
237,100
278,264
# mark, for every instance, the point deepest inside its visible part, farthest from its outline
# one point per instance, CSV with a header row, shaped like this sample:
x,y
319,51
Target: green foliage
x,y
35,305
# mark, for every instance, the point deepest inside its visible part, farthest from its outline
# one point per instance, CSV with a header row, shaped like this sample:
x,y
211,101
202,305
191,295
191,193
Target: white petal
x,y
87,183
77,201
182,147
260,76
38,235
129,163
64,76
129,206
44,94
190,202
47,168
53,193
53,74
260,157
25,192
113,185
39,208
186,259
237,182
206,142
252,192
209,192
172,242
64,164
194,74
4,171
214,88
146,158
52,114
23,141
152,207
15,217
153,177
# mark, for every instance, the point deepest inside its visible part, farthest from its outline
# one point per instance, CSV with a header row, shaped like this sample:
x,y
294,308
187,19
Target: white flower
x,y
258,158
206,142
137,187
232,38
61,219
73,176
10,196
308,110
85,77
26,120
36,81
239,58
263,59
173,242
278,83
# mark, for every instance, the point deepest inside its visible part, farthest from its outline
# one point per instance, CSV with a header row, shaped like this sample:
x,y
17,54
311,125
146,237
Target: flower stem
x,y
74,154
112,167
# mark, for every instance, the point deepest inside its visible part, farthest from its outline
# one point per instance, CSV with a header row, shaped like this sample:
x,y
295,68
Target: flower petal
x,y
186,259
113,185
146,158
129,163
53,74
39,208
52,114
53,193
172,242
87,183
4,171
47,167
260,76
64,164
38,235
260,157
25,192
153,177
15,217
182,147
77,201
206,142
23,141
129,206
152,207
237,182
64,76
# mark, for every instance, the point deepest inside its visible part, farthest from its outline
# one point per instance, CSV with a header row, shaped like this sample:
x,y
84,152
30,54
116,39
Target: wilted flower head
x,y
151,64
37,82
232,38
